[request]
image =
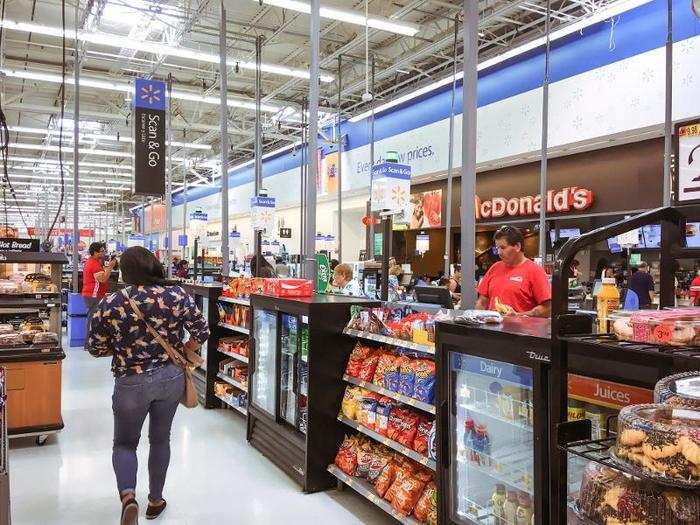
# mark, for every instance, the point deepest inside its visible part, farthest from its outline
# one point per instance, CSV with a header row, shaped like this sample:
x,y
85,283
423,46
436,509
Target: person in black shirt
x,y
642,284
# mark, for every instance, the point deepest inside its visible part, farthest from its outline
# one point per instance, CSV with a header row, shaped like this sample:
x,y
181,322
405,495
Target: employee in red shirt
x,y
515,281
95,276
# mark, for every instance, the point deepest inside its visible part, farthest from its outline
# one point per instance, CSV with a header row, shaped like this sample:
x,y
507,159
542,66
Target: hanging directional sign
x,y
262,213
149,137
391,187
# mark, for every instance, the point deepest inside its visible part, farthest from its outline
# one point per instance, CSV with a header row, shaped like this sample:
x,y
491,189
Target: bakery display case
x,y
624,400
296,365
30,341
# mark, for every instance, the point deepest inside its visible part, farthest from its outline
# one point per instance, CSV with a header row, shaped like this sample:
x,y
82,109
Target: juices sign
x,y
562,201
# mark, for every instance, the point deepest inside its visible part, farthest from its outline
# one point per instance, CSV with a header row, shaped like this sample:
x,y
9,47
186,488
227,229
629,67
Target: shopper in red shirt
x,y
515,282
95,276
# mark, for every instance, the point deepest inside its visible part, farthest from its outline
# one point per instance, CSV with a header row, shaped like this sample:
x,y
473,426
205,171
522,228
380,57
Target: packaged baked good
x,y
425,380
608,496
661,442
45,337
6,329
680,390
426,502
385,364
11,339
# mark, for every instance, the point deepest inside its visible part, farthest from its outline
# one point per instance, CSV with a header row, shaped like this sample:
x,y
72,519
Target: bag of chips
x,y
357,357
407,495
386,363
420,444
407,377
346,458
351,401
367,414
424,380
402,470
403,426
380,459
432,448
369,366
426,503
365,455
392,377
381,422
386,478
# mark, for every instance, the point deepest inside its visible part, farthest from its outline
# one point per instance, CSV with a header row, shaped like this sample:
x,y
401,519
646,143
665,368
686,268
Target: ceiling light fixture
x,y
351,17
83,164
606,13
128,88
157,48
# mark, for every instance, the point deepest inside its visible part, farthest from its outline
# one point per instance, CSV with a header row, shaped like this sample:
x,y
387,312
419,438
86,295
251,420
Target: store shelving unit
x,y
604,357
237,408
232,382
234,328
392,341
425,407
234,355
365,489
34,409
243,301
394,445
4,468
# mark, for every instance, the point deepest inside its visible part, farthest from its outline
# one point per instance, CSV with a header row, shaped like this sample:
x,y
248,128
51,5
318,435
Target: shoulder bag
x,y
189,397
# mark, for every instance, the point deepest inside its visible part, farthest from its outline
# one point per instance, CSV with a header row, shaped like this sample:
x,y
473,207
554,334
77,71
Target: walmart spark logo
x,y
151,94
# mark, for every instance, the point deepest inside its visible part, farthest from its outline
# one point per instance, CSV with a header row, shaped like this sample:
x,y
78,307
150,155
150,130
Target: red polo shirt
x,y
523,287
92,288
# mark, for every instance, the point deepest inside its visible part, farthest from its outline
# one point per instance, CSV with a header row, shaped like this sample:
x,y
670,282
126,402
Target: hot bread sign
x,y
562,201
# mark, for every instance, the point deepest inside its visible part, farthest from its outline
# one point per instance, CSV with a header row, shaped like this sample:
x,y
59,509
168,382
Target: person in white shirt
x,y
343,281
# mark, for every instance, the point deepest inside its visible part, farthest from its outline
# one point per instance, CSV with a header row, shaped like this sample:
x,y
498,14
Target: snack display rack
x,y
32,354
392,341
603,356
296,366
4,469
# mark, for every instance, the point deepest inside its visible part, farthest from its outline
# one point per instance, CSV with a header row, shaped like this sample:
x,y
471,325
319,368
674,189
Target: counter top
x,y
319,299
537,327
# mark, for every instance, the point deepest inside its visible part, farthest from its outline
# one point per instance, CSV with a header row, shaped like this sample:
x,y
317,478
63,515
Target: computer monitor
x,y
433,295
406,279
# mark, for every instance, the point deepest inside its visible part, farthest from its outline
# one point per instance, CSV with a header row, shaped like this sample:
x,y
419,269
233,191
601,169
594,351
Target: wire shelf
x,y
612,342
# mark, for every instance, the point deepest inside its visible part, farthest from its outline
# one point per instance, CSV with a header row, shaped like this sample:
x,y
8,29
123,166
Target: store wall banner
x,y
323,273
136,240
688,158
149,137
391,187
11,244
426,210
262,213
84,232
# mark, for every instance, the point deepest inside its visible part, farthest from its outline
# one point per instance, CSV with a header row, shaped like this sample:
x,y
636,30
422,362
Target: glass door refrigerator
x,y
492,422
263,395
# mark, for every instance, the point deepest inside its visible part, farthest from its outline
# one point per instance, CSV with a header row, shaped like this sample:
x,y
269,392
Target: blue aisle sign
x,y
149,137
262,213
182,240
391,187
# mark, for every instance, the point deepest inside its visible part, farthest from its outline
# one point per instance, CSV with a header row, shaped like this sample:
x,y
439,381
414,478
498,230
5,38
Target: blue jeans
x,y
156,393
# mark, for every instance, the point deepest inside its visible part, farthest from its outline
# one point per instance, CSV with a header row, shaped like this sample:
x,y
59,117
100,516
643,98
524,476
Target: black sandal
x,y
130,511
153,511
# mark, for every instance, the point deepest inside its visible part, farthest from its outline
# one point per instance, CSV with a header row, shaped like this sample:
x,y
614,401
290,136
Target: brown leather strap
x,y
174,354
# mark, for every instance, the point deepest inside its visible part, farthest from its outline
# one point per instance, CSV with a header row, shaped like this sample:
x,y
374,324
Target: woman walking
x,y
147,382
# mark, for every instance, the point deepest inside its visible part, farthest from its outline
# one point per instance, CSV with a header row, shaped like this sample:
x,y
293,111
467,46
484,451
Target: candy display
x,y
408,486
607,496
232,395
680,390
243,286
234,314
662,442
235,370
399,323
675,327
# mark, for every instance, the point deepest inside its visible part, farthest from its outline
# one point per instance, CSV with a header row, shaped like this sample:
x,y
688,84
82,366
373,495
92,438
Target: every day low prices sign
x,y
262,213
149,137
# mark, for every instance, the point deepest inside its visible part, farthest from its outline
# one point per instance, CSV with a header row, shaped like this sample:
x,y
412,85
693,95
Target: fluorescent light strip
x,y
128,88
97,136
83,151
611,11
157,48
17,176
351,17
82,164
53,171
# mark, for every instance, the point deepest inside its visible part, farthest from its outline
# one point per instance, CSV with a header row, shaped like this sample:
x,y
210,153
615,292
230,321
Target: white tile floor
x,y
214,477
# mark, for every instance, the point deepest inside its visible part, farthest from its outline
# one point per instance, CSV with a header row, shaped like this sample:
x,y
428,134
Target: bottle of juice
x,y
469,438
608,301
498,501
